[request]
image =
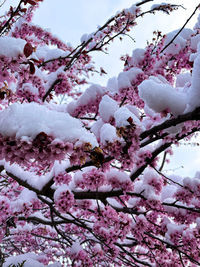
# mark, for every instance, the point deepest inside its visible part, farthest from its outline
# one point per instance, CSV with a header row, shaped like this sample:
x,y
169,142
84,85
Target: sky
x,y
69,20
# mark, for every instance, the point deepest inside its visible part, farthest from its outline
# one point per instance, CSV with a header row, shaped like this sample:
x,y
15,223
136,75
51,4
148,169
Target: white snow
x,y
108,134
194,41
168,191
114,203
76,247
132,10
31,178
160,97
158,5
27,195
87,97
107,108
85,37
137,55
11,47
30,119
28,87
183,79
122,115
96,127
29,258
194,92
132,73
122,177
46,53
123,80
112,85
173,228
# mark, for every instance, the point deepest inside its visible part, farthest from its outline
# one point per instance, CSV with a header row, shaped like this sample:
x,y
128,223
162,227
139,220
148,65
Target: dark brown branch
x,y
37,220
97,195
143,2
163,161
191,116
51,88
174,205
87,164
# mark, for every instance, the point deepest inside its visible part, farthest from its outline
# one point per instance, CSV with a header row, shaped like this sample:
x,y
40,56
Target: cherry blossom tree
x,y
82,180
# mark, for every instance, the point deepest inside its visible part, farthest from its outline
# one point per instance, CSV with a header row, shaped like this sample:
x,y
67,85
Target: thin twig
x,y
163,161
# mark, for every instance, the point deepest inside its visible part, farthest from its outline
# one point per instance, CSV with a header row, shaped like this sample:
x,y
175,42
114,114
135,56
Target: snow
x,y
168,191
30,119
96,127
114,203
183,79
194,41
194,92
59,190
161,97
132,10
47,53
27,195
123,80
107,108
87,97
180,41
119,175
28,87
31,178
57,264
29,258
108,134
137,55
172,228
134,110
155,6
197,25
112,85
146,190
133,73
85,37
76,247
11,47
122,115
